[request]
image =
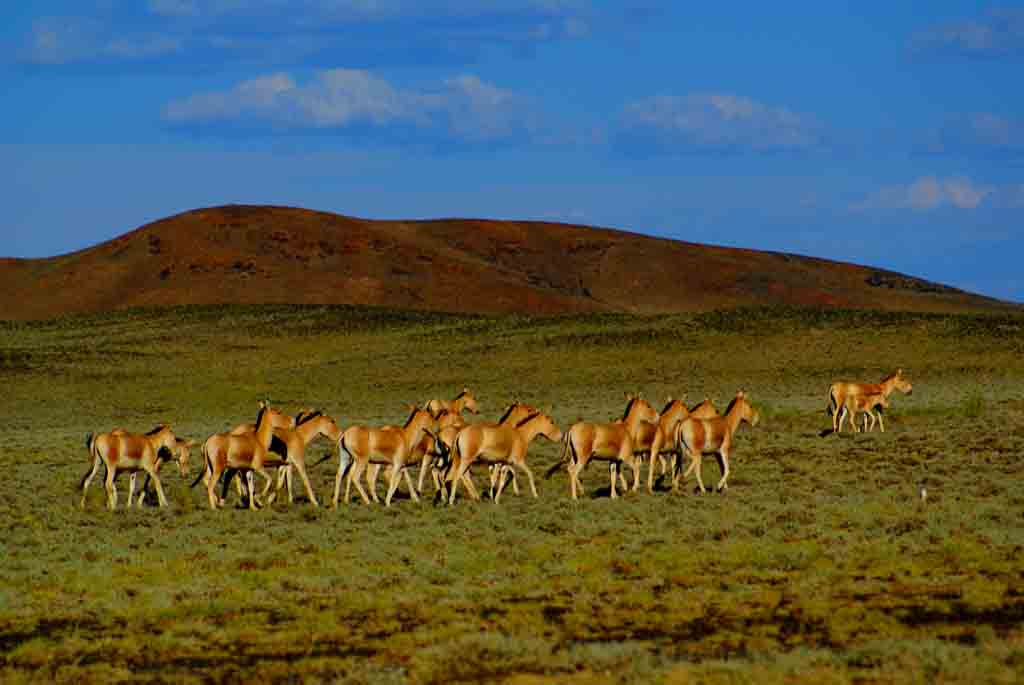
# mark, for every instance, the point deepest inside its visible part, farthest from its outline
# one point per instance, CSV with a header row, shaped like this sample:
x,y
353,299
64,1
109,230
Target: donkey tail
x,y
90,444
563,456
344,458
207,468
832,403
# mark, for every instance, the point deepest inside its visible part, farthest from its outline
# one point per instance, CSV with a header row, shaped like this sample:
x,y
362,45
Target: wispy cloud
x,y
218,32
462,108
999,33
717,122
65,40
929,193
981,133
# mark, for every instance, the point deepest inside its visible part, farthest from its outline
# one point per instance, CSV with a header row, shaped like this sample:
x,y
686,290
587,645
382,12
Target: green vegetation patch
x,y
823,562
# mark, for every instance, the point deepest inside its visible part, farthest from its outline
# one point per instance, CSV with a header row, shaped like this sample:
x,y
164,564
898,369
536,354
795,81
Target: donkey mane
x,y
629,406
732,403
415,411
529,418
508,411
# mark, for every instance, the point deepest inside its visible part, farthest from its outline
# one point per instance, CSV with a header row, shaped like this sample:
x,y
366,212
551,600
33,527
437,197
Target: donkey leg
x,y
723,463
412,486
424,466
393,481
250,479
111,489
151,472
305,482
467,482
87,481
529,476
695,467
371,480
288,481
132,479
211,488
508,470
459,473
355,476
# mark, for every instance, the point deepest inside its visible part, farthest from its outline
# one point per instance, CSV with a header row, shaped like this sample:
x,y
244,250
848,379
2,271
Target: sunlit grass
x,y
821,563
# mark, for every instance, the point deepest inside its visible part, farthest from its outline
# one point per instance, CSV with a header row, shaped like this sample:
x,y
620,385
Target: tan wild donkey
x,y
705,436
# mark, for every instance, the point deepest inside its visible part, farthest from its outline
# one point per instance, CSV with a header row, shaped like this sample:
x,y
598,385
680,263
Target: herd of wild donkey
x,y
438,438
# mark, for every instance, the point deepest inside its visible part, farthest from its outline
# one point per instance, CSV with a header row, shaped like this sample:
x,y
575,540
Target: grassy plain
x,y
821,564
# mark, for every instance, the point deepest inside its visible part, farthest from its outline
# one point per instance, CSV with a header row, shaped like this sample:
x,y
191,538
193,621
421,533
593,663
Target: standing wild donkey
x,y
706,436
611,442
246,452
501,444
839,391
122,451
864,404
360,446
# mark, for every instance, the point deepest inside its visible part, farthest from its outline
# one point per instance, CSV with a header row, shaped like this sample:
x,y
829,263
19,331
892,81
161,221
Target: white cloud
x,y
978,133
215,32
998,33
463,107
64,40
174,8
720,121
928,193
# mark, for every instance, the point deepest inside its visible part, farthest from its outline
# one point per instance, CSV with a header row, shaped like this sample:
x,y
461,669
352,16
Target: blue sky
x,y
878,133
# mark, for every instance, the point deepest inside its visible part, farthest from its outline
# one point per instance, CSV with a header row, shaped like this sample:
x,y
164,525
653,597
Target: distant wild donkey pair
x,y
850,399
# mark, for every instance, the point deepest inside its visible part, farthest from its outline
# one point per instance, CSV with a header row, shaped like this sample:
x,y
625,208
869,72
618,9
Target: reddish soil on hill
x,y
258,254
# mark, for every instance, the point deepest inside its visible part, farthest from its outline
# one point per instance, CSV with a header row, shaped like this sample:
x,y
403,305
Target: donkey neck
x,y
733,417
415,428
673,414
531,427
264,428
887,386
633,415
163,438
309,429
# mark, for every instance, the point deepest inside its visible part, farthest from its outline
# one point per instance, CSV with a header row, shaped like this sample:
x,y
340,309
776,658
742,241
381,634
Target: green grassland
x,y
821,564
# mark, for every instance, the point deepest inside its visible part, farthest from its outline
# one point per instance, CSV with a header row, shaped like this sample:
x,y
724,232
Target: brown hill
x,y
257,254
